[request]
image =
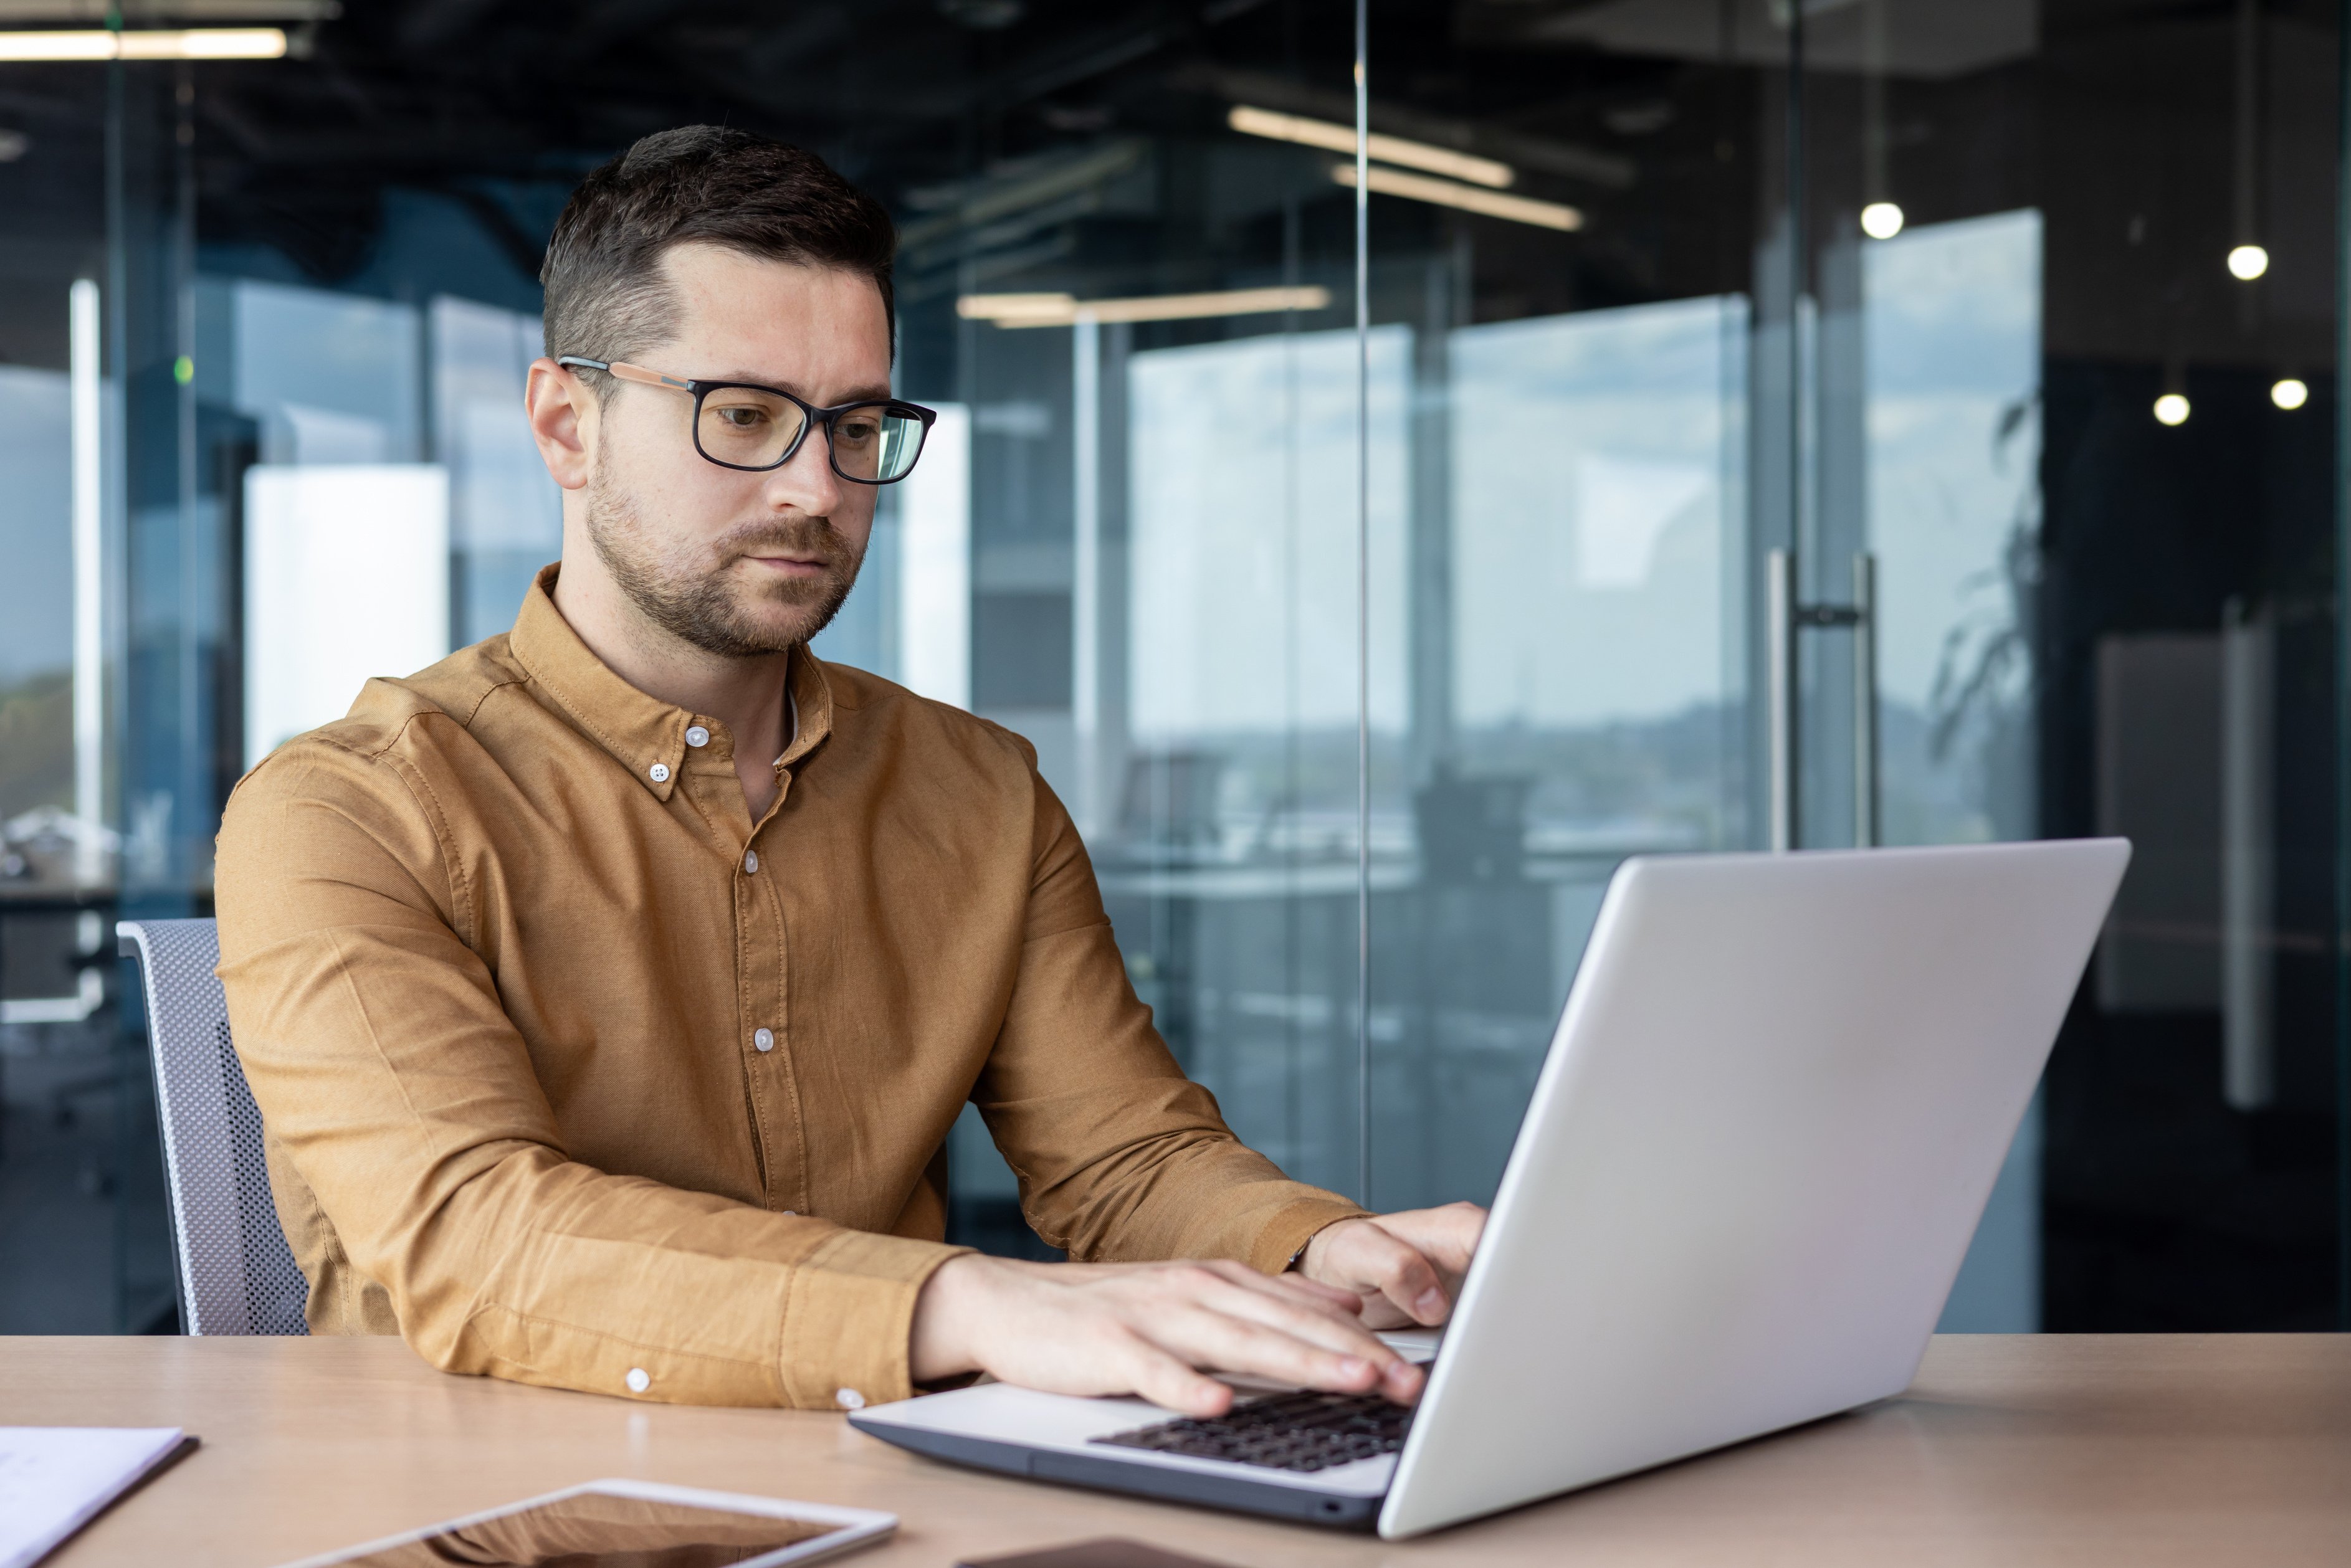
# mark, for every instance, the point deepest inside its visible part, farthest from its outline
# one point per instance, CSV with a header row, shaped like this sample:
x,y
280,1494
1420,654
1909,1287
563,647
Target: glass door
x,y
2062,565
1900,639
1913,428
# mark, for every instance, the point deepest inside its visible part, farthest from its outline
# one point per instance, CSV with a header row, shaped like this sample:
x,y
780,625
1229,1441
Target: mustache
x,y
814,536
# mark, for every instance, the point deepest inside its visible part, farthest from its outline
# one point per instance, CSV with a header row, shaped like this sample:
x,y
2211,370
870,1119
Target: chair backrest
x,y
236,1275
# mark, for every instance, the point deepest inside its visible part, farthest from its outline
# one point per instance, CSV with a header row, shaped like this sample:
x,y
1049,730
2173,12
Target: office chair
x,y
236,1273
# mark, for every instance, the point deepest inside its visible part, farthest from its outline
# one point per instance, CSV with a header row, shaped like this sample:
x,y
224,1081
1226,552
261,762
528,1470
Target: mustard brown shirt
x,y
575,1075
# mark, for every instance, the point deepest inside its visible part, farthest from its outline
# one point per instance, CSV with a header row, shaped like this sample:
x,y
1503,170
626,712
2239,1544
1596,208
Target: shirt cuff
x,y
1285,1235
848,1319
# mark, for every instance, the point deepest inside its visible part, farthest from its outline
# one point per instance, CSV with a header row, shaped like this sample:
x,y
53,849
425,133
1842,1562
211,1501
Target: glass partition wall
x,y
1926,435
1735,424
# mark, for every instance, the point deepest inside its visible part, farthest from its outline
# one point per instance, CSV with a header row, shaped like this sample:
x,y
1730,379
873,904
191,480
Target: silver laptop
x,y
1768,1124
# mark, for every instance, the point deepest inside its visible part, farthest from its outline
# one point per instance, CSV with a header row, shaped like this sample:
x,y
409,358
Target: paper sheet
x,y
54,1479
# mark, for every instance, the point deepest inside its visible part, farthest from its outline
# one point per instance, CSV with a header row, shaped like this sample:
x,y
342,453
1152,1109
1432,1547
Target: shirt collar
x,y
646,734
811,709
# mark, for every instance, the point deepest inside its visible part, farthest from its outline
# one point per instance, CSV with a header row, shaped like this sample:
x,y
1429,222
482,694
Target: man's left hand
x,y
1407,1266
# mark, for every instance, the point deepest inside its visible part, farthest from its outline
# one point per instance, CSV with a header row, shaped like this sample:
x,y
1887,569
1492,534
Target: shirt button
x,y
750,860
849,1399
696,735
764,1039
658,773
791,1214
638,1380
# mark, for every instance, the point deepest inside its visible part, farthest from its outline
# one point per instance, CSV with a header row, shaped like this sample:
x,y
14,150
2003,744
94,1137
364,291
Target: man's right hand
x,y
1146,1329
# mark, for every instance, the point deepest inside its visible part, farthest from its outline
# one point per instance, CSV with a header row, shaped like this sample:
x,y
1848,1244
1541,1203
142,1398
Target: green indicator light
x,y
183,369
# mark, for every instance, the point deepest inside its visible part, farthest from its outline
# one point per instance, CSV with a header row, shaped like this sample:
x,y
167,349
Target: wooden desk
x,y
2143,1450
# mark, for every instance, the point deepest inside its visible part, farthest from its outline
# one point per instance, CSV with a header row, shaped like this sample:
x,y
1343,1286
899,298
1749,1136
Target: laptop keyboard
x,y
1303,1431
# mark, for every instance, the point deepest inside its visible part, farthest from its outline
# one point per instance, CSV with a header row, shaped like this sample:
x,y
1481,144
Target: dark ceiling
x,y
1007,125
485,100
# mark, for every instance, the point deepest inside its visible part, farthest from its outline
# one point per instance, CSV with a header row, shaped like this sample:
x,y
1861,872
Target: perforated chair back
x,y
236,1275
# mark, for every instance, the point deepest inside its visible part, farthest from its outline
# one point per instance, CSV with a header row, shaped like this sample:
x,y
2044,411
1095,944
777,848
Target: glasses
x,y
741,424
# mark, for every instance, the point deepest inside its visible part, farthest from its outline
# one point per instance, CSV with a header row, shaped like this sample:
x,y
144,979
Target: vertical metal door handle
x,y
1780,696
1864,701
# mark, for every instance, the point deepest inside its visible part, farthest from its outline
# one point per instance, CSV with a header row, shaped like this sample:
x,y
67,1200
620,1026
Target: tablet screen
x,y
601,1530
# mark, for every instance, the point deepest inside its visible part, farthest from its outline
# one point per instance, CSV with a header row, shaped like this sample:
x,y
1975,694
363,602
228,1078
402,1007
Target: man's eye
x,y
742,418
857,430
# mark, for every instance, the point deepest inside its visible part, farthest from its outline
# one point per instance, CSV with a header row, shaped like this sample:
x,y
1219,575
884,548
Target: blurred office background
x,y
1362,650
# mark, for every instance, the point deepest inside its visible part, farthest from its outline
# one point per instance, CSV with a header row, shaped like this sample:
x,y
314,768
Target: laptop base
x,y
1166,1484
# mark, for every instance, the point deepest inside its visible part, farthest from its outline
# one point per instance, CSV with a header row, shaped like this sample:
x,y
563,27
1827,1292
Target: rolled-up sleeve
x,y
1120,1156
397,1088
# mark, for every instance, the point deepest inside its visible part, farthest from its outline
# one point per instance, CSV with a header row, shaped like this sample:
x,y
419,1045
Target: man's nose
x,y
808,483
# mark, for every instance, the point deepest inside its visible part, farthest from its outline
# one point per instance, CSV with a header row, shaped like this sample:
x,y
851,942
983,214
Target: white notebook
x,y
54,1479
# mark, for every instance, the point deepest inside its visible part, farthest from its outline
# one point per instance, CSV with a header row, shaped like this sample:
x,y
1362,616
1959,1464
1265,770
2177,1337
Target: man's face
x,y
739,563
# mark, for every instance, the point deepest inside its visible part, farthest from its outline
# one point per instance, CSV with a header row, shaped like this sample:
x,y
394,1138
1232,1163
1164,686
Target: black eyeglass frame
x,y
812,415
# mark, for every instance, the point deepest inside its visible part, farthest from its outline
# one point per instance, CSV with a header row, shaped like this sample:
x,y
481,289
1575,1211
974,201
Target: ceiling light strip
x,y
194,44
1064,309
1468,198
1335,138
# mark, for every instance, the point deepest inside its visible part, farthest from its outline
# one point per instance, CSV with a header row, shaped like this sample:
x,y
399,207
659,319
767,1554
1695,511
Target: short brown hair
x,y
606,298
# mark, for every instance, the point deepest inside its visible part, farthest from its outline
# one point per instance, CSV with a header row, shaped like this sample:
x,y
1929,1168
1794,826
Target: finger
x,y
1206,1337
1453,1241
1343,1333
1330,1300
1446,1237
1228,1285
1403,1382
1171,1381
1396,1271
1346,1301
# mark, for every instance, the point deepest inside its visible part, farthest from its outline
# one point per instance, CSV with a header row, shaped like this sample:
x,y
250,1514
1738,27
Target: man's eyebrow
x,y
881,393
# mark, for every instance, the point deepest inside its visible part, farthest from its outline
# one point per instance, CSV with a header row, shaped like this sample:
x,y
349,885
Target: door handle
x,y
1779,694
1783,619
1864,700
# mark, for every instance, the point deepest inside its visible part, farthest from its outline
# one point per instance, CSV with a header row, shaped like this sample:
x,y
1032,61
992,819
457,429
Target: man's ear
x,y
563,413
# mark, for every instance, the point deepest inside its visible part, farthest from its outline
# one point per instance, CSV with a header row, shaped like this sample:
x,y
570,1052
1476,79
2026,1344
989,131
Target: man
x,y
608,988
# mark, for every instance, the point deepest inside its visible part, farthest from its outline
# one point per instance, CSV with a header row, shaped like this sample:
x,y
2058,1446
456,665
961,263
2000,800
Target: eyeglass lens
x,y
753,429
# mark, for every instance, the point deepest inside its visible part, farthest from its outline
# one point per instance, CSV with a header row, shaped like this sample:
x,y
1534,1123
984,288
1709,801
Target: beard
x,y
691,592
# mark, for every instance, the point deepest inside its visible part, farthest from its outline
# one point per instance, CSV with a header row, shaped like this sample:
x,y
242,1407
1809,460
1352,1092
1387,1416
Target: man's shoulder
x,y
885,710
394,719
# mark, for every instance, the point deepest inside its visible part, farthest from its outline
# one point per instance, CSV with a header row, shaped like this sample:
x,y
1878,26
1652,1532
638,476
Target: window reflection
x,y
1597,476
1244,576
1953,334
37,759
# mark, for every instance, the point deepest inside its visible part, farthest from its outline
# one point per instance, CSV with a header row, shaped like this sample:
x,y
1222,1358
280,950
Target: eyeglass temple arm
x,y
626,372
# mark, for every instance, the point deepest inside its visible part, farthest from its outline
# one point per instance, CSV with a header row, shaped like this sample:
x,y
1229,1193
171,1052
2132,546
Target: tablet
x,y
626,1524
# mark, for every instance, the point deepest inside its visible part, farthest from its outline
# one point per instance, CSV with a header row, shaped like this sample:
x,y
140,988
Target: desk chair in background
x,y
236,1274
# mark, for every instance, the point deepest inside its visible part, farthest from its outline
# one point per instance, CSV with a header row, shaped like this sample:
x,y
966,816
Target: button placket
x,y
760,962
